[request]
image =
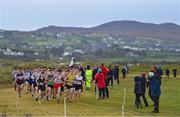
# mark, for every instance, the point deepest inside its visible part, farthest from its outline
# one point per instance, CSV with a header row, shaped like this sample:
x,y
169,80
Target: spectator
x,y
110,76
137,91
105,73
143,88
116,73
95,70
174,72
159,71
155,83
100,79
124,72
88,77
167,73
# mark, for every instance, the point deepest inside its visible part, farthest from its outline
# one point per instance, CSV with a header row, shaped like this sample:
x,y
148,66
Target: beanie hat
x,y
151,74
99,70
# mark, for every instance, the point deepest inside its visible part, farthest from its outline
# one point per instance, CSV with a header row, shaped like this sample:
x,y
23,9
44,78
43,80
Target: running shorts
x,y
68,86
52,86
41,87
77,87
56,86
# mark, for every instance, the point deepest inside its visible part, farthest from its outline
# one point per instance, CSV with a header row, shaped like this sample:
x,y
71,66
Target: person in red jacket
x,y
100,79
105,72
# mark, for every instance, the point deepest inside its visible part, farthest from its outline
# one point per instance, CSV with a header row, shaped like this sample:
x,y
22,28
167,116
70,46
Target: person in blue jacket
x,y
137,91
155,83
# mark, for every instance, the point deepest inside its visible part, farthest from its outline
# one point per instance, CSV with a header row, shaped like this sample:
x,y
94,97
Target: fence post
x,y
124,96
122,109
65,106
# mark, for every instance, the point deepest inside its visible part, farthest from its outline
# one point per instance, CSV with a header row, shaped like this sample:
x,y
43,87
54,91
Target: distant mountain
x,y
164,31
129,39
137,29
55,29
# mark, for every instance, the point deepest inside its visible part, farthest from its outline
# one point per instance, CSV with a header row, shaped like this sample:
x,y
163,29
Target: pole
x,y
124,96
17,100
64,106
96,91
122,111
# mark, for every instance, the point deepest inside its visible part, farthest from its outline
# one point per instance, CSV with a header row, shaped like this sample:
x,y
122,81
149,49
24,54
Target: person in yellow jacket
x,y
88,75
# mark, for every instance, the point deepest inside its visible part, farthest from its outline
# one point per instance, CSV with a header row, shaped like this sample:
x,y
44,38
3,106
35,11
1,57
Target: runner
x,y
35,76
41,87
63,76
19,81
50,85
28,75
13,76
78,81
69,86
57,84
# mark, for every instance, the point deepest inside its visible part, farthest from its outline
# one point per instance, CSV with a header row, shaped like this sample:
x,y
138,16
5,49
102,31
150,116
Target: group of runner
x,y
49,82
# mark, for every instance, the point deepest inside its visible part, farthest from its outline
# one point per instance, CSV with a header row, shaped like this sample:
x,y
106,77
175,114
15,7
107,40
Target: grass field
x,y
89,106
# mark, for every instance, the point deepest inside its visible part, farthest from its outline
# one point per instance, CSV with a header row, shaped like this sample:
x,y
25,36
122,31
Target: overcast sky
x,y
33,14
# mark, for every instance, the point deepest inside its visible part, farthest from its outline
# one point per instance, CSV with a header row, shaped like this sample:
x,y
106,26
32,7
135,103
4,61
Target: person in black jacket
x,y
143,88
110,76
116,73
159,71
167,73
137,91
174,72
124,72
95,71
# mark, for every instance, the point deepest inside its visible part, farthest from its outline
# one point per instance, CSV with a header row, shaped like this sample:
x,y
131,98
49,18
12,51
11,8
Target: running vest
x,y
78,80
70,78
19,78
50,80
41,82
57,80
28,75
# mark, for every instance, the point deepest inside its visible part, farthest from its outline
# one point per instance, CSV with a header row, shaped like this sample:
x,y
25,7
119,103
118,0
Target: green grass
x,y
88,105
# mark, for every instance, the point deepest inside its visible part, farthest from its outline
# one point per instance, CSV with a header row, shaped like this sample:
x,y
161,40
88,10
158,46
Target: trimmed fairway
x,y
89,106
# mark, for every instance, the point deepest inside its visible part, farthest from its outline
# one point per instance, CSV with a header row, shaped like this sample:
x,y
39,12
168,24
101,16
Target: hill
x,y
138,29
130,40
125,28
